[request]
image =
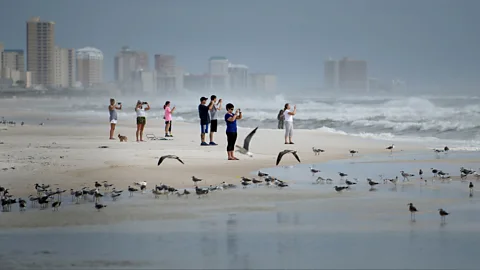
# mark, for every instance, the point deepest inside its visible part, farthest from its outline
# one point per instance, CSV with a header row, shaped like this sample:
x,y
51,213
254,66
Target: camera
x,y
144,103
119,103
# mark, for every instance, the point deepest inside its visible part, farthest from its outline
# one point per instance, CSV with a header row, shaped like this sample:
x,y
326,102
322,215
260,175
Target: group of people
x,y
140,110
208,114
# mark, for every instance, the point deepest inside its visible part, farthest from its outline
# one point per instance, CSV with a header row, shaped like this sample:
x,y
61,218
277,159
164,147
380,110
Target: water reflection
x,y
232,240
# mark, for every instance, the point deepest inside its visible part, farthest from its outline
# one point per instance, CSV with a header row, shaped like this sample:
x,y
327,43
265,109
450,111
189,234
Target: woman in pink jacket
x,y
168,119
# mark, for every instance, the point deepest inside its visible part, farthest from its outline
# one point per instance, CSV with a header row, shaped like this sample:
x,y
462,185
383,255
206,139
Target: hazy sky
x,y
420,41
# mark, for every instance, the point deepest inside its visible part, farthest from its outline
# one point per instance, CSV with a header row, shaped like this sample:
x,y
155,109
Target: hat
x,y
203,98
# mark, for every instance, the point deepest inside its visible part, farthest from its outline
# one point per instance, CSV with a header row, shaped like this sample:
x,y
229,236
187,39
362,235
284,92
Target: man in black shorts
x,y
214,107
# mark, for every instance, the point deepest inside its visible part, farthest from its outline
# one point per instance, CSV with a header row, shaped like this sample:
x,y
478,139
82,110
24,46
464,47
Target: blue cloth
x,y
231,126
204,114
204,128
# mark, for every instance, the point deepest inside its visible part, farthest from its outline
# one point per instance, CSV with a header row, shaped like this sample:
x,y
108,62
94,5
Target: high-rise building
x,y
64,67
346,74
352,74
196,82
218,71
13,59
169,75
41,51
262,82
127,65
89,66
238,77
1,58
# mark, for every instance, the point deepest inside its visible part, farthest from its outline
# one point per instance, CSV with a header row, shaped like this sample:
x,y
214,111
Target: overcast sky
x,y
420,41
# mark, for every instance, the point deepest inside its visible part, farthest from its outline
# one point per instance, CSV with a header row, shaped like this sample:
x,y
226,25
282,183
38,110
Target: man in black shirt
x,y
204,114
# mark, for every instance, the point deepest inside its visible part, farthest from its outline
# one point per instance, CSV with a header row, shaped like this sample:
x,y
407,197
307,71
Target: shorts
x,y
113,121
288,128
141,120
203,128
213,126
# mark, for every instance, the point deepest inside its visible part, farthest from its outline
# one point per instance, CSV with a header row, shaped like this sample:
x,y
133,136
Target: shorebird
x,y
438,151
329,180
22,204
317,151
162,158
319,180
245,179
371,182
280,183
132,190
446,149
115,196
245,184
339,188
226,186
406,175
256,182
350,183
420,172
353,152
342,174
412,210
246,144
261,174
434,171
394,181
470,186
463,176
55,205
97,185
391,147
443,214
157,193
284,152
314,171
106,185
201,192
195,180
142,185
99,206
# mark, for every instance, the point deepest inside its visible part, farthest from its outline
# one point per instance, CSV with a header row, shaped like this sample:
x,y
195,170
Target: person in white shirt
x,y
288,122
141,119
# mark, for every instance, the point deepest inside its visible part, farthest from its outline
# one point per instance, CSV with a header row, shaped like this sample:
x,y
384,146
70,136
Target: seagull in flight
x,y
281,154
162,158
246,144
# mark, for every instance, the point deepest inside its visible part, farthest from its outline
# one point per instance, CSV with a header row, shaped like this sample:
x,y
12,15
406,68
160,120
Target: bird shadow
x,y
443,224
373,189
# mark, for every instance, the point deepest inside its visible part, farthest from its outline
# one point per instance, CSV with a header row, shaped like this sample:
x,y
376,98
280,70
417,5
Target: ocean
x,y
435,120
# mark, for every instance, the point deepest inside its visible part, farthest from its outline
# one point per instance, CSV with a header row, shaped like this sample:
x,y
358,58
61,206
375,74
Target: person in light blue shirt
x,y
231,122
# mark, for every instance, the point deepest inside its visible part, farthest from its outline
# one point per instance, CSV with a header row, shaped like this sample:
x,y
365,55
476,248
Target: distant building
x,y
1,58
13,59
169,75
148,81
262,82
196,82
41,51
218,71
89,66
127,65
64,67
238,76
346,74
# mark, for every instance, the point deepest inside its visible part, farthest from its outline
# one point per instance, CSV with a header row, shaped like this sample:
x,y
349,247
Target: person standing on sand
x,y
168,119
281,119
214,107
141,119
112,109
204,115
288,114
231,121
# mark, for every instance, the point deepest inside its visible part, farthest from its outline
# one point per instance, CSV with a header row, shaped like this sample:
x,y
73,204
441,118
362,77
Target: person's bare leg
x,y
138,131
211,136
290,138
286,139
141,132
112,131
167,127
202,137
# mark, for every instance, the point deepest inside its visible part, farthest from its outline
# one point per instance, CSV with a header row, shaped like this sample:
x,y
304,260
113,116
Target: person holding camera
x,y
168,118
141,118
112,109
231,121
204,115
288,115
214,107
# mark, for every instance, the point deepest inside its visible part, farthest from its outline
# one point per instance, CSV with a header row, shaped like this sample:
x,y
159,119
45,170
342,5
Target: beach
x,y
305,225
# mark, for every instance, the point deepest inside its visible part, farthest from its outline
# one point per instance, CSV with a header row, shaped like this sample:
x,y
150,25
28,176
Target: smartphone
x,y
119,103
144,103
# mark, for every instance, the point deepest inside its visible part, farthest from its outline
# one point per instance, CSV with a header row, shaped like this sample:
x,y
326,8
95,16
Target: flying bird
x,y
246,144
162,158
281,154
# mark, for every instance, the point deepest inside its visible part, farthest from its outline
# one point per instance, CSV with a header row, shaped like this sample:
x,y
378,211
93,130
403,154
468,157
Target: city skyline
x,y
431,41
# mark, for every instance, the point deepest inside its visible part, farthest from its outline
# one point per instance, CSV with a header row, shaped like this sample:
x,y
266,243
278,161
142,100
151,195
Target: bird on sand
x,y
132,190
470,186
371,182
162,158
284,152
195,180
420,172
446,149
262,174
245,184
442,214
353,152
317,151
201,191
55,205
340,188
342,174
99,206
412,210
348,182
246,144
314,171
115,196
391,147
